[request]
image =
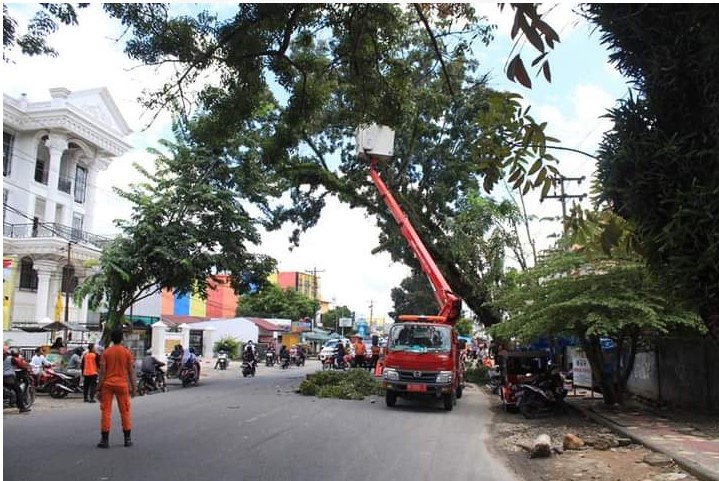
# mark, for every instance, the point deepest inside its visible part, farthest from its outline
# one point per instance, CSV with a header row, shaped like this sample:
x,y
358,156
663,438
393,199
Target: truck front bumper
x,y
403,388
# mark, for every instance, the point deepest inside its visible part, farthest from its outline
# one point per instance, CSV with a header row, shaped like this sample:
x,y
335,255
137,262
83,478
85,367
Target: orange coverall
x,y
117,364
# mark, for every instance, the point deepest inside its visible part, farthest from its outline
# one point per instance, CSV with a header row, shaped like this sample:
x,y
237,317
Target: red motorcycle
x,y
55,383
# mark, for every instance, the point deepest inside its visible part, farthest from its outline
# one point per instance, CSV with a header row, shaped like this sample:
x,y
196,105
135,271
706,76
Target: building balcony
x,y
53,230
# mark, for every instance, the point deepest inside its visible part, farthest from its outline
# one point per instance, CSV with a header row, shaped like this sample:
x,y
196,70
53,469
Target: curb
x,y
690,466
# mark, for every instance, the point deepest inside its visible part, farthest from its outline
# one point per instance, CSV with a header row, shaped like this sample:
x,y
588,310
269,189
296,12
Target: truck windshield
x,y
419,338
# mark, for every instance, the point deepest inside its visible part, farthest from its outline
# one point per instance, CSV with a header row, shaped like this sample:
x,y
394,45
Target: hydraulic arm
x,y
450,304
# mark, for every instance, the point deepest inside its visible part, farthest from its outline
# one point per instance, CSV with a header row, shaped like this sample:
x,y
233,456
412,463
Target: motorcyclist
x,y
270,354
250,355
284,354
340,354
151,368
14,366
300,355
189,360
39,361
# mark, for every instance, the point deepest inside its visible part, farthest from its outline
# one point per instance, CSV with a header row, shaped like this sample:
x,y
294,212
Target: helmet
x,y
14,351
249,342
149,351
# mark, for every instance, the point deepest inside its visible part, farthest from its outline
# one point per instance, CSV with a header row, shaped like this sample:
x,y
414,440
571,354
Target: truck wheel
x,y
459,392
390,398
448,400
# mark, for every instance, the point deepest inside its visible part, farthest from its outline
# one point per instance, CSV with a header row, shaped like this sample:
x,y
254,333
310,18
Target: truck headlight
x,y
444,377
390,374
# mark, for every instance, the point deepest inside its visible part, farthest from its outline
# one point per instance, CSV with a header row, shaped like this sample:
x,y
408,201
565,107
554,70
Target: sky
x,y
584,86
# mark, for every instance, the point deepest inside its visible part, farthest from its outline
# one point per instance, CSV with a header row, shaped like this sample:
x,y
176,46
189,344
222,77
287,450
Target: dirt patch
x,y
618,463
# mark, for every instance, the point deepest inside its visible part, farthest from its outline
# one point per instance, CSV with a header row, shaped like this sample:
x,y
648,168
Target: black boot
x,y
128,441
104,440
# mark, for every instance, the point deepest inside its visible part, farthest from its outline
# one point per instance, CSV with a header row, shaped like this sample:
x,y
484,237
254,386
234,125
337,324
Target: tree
x,y
330,319
658,166
185,227
300,78
414,296
273,301
43,23
591,296
464,327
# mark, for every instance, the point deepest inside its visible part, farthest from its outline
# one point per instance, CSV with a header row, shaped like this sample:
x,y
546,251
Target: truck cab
x,y
421,360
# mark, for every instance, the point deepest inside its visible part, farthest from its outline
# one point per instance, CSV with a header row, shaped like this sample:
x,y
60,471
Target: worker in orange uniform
x,y
117,365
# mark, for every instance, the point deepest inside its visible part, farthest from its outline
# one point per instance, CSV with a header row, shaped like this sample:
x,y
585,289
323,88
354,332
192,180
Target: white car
x,y
328,348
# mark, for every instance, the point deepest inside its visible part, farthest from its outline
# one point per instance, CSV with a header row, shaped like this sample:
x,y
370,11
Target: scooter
x,y
269,359
543,396
27,388
248,368
54,383
222,360
147,382
189,375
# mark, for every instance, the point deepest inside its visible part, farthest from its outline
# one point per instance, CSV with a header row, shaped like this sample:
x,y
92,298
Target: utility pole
x,y
314,272
563,196
371,306
67,292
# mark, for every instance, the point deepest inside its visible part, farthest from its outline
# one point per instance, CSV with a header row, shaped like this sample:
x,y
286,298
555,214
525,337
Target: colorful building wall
x,y
304,283
221,302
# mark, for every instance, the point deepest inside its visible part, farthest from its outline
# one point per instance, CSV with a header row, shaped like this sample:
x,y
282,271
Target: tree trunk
x,y
592,347
710,315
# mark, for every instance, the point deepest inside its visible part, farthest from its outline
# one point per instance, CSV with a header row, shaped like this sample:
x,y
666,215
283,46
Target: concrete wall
x,y
682,372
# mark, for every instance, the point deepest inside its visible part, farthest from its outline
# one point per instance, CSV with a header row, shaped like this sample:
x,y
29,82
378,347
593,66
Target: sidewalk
x,y
690,439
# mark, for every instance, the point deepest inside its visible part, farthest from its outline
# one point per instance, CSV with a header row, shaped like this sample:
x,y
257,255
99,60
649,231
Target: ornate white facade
x,y
52,153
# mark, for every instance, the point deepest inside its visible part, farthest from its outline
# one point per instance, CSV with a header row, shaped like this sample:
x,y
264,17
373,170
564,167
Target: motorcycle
x,y
27,388
298,360
174,365
284,362
543,395
222,360
269,359
189,375
248,368
150,382
55,383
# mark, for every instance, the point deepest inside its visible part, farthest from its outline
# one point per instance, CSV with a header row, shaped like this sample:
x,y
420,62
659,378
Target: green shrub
x,y
352,384
229,344
477,375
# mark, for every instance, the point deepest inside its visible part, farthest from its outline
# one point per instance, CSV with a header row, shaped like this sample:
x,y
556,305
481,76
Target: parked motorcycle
x,y
147,382
269,359
545,395
55,383
248,368
27,388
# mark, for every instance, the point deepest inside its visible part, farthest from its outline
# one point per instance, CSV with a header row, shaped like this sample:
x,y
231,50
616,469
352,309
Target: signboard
x,y
301,326
345,322
581,370
9,268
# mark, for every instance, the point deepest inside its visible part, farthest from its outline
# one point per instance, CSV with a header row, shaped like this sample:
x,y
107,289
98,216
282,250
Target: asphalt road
x,y
231,428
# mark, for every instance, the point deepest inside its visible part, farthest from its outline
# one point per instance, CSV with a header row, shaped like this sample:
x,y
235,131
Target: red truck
x,y
422,357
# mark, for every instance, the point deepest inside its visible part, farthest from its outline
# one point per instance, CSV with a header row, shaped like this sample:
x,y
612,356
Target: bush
x,y
229,344
477,375
352,384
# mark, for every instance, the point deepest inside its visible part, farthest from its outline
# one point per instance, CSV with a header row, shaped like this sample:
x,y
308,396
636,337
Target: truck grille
x,y
424,376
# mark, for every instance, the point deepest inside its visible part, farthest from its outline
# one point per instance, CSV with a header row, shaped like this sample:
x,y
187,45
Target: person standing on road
x,y
360,352
117,369
89,373
375,349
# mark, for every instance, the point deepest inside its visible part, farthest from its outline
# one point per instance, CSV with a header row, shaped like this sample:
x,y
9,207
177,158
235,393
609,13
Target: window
x,y
40,171
80,184
77,220
7,142
28,275
69,281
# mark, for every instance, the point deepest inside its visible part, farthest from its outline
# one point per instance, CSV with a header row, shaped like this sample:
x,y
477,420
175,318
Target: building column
x,y
56,144
88,224
208,341
43,307
158,340
185,330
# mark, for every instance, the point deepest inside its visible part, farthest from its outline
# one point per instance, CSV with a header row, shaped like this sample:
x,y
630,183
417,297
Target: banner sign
x,y
301,326
345,322
581,370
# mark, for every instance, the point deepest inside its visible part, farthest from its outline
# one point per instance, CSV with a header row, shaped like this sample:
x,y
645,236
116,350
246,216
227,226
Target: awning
x,y
317,336
62,326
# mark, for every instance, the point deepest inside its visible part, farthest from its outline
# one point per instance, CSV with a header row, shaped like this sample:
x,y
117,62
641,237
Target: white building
x,y
52,153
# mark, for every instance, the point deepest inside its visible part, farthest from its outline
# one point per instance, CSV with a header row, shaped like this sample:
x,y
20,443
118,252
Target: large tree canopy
x,y
273,301
292,82
658,167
